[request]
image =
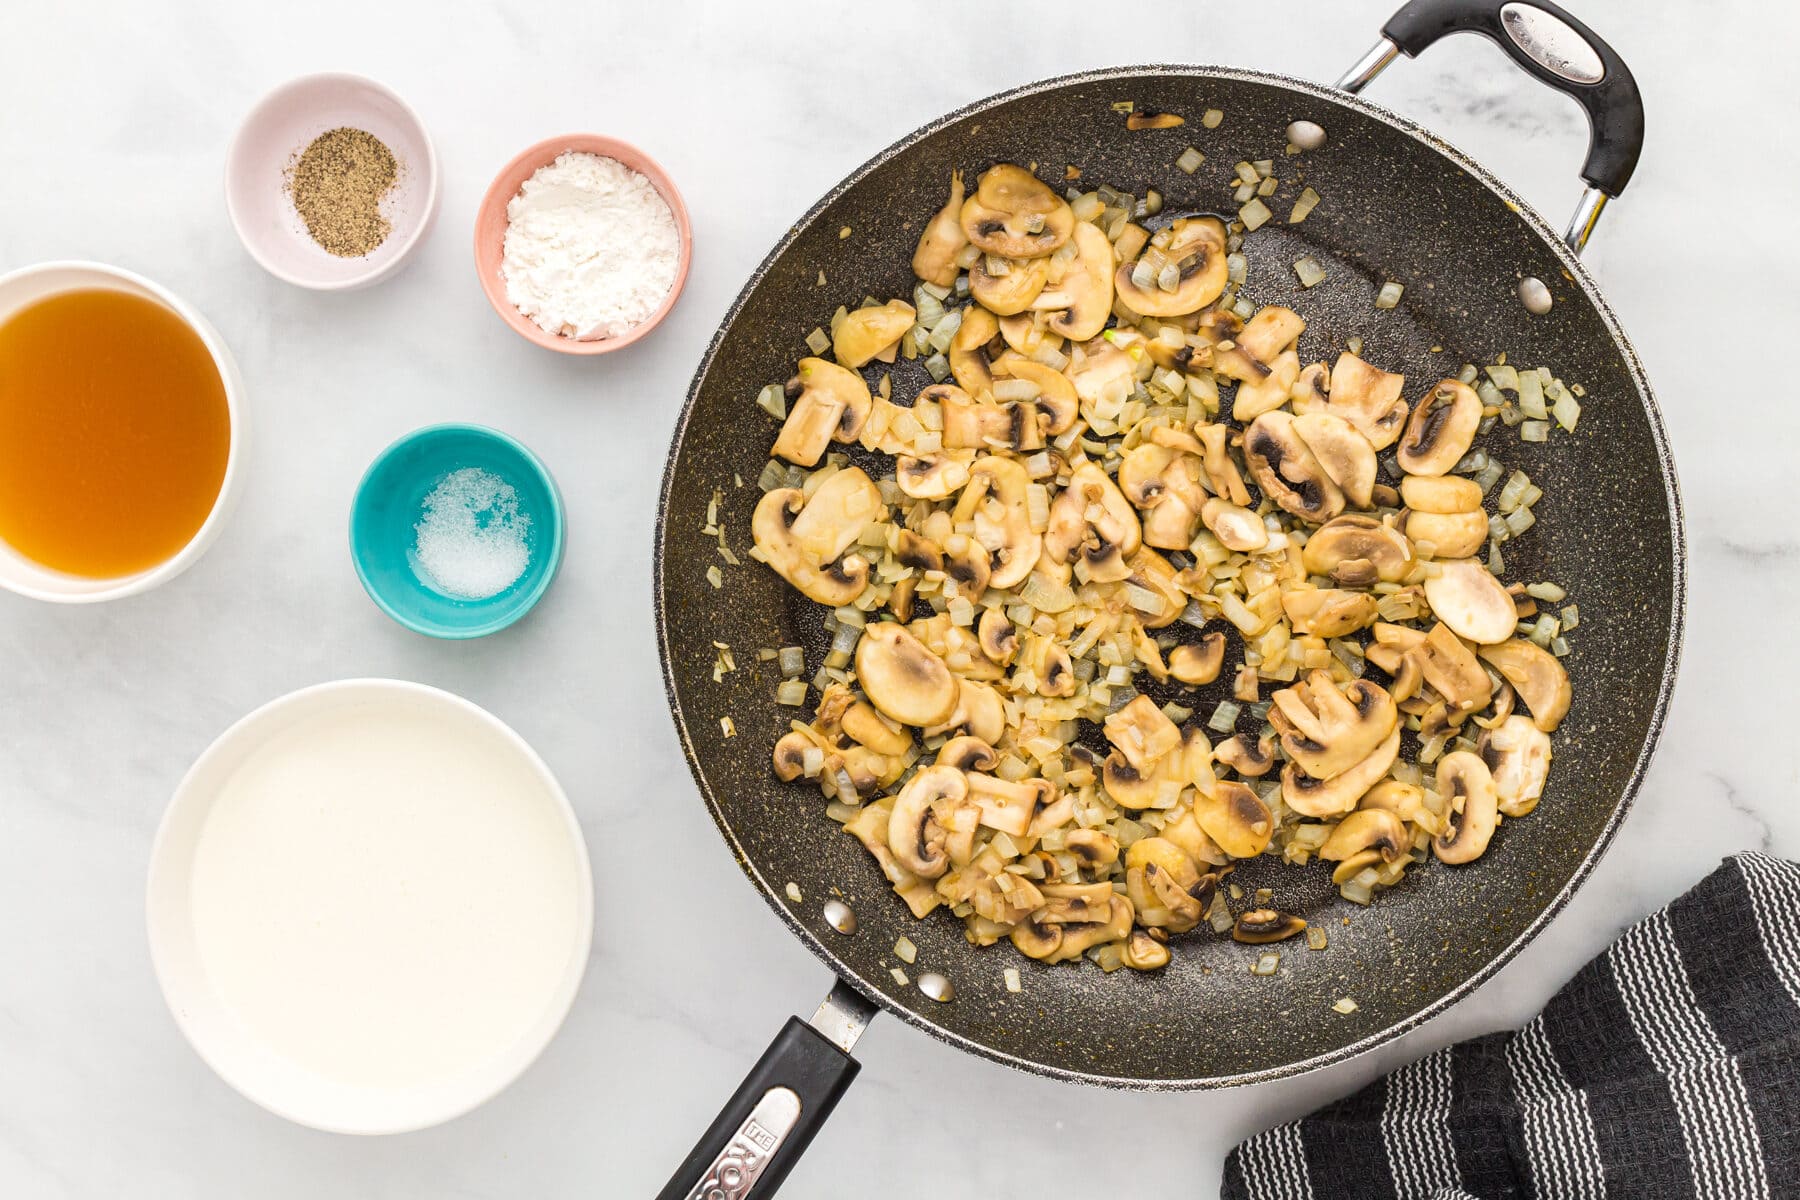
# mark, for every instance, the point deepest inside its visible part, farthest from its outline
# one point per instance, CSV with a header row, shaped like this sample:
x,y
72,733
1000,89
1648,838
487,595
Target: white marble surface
x,y
116,119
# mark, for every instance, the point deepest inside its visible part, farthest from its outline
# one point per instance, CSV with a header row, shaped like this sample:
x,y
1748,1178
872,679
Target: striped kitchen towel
x,y
1669,1067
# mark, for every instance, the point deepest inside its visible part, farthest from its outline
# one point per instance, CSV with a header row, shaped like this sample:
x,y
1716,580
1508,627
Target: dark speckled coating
x,y
1398,204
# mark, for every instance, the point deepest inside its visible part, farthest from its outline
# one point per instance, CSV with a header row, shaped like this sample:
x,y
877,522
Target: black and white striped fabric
x,y
1668,1067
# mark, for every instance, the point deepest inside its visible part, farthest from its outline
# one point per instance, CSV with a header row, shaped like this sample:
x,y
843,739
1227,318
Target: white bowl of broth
x,y
120,426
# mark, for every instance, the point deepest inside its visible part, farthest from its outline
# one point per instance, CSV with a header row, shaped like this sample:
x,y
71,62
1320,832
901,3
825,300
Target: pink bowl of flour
x,y
491,228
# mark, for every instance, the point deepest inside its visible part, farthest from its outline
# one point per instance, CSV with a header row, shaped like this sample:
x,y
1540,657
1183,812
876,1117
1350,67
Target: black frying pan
x,y
1399,204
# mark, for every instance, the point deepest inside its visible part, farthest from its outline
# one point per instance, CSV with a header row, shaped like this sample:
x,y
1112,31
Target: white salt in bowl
x,y
272,137
389,505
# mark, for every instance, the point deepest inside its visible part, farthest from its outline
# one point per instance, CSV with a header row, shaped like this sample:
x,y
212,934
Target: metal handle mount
x,y
1556,49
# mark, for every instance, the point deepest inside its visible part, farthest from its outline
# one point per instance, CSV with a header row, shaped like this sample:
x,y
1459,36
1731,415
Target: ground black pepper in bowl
x,y
337,184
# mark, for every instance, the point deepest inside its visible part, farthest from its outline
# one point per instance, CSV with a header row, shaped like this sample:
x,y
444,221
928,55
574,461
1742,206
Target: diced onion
x,y
1534,431
1254,215
1225,716
1309,271
792,693
1190,160
905,951
1267,964
1011,975
1211,118
1389,295
773,400
792,661
818,341
938,367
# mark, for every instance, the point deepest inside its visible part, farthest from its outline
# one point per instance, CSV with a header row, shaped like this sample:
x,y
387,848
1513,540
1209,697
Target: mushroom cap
x,y
918,553
1367,829
933,477
1313,797
1252,762
1450,535
969,364
1463,776
1144,953
1343,451
833,403
790,755
1014,214
968,754
1537,676
999,637
916,833
1450,668
902,678
1269,391
1447,494
1264,338
1013,292
1465,596
1441,429
1286,470
805,540
1086,288
1354,538
866,332
1036,941
1095,848
1196,245
1367,397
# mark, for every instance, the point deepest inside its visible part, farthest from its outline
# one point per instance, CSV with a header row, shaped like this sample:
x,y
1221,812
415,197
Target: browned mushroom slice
x,y
1165,484
1465,596
866,333
1092,520
1236,818
1367,397
1010,540
1259,926
1252,761
1198,664
1159,881
1328,612
933,477
1466,785
1451,668
1357,550
916,833
1327,731
914,552
1265,336
1095,849
968,754
1236,528
1536,676
1182,271
1446,535
1314,797
969,363
1142,732
1343,451
1143,952
1441,429
1015,215
1365,837
1287,472
902,678
1079,939
1004,287
829,403
1517,754
999,638
1081,301
1447,494
806,540
934,260
1056,399
1222,473
790,755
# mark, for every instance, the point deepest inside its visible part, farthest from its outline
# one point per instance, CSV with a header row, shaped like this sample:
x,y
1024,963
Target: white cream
x,y
387,896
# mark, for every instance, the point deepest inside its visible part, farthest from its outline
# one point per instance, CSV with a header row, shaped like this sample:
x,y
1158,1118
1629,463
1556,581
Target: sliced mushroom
x,y
1536,676
1467,786
1093,848
1451,669
1015,215
1366,836
902,678
968,754
866,333
1313,797
1405,800
1441,429
790,755
1198,664
1326,731
915,552
1447,494
1142,732
1267,392
1011,292
1165,484
1367,397
916,834
1250,761
806,540
1158,876
1195,248
1343,451
1286,470
1236,528
1250,355
1051,667
1236,818
1447,535
1355,549
1036,941
900,600
999,637
969,364
1056,399
934,260
971,424
996,894
1009,806
1079,939
979,710
1328,612
1092,519
1102,375
1151,572
1222,473
1517,754
1259,926
1143,952
829,402
1082,300
1009,538
1465,596
933,477
871,729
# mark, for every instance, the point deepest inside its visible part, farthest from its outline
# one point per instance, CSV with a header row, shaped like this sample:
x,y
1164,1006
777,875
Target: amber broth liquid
x,y
113,432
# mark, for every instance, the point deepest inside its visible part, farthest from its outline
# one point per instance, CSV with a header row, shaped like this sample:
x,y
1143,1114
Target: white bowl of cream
x,y
370,906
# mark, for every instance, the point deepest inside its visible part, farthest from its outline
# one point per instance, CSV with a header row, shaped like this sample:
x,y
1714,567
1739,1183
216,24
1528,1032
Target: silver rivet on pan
x,y
1306,135
937,987
1534,295
840,916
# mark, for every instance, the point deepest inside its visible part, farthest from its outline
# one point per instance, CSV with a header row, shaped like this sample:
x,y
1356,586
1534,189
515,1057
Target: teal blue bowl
x,y
474,542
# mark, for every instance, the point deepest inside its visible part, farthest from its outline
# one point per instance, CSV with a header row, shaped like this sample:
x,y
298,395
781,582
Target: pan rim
x,y
1575,271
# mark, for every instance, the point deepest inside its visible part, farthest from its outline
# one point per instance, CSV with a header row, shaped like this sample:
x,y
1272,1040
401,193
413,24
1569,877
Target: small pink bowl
x,y
490,233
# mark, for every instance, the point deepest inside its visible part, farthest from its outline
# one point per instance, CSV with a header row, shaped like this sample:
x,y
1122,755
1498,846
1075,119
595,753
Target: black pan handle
x,y
1552,47
767,1124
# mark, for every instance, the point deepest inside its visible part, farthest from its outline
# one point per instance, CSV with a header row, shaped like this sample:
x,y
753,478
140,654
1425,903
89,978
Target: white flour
x,y
591,247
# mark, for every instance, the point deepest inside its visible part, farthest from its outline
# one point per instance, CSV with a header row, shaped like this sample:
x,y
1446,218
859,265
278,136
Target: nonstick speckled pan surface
x,y
1398,204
